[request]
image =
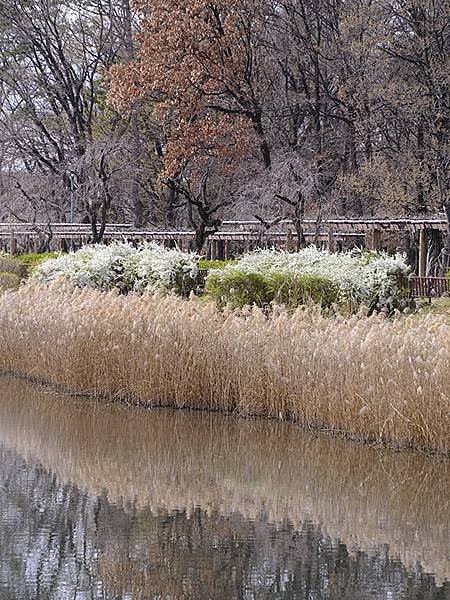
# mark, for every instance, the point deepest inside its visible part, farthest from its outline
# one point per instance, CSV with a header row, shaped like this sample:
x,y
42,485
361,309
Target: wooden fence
x,y
429,287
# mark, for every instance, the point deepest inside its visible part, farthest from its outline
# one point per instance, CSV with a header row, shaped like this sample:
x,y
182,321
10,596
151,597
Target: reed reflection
x,y
168,501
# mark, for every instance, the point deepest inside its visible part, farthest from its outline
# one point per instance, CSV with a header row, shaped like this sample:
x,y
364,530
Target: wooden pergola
x,y
237,235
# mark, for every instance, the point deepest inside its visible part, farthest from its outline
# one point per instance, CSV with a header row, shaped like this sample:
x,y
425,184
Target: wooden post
x,y
375,240
331,244
289,241
221,250
213,250
13,244
422,253
226,253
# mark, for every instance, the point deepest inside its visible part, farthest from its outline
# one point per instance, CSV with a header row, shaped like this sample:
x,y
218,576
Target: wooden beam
x,y
375,239
331,242
213,250
12,244
422,253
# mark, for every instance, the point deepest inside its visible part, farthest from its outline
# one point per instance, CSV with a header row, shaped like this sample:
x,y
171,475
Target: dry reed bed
x,y
373,378
174,461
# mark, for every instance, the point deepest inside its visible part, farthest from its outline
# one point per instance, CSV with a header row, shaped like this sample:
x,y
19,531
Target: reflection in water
x,y
100,501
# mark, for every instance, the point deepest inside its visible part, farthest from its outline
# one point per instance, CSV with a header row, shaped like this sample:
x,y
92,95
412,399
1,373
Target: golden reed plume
x,y
373,379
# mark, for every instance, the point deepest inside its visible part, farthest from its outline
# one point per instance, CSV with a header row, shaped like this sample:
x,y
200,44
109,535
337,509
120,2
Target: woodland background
x,y
180,113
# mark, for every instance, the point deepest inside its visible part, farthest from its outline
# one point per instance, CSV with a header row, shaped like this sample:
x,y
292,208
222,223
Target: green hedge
x,y
294,290
207,265
238,289
32,259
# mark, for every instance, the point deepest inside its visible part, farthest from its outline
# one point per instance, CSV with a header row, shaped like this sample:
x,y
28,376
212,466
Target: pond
x,y
104,501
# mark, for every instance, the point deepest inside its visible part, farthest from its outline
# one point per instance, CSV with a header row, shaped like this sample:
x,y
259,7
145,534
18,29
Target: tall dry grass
x,y
373,378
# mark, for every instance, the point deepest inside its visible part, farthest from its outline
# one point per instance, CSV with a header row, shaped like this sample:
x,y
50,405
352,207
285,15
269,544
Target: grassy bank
x,y
14,270
373,378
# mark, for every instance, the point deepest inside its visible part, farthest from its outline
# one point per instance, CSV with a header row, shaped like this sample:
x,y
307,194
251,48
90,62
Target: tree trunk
x,y
264,146
353,165
318,124
138,207
446,250
298,220
435,247
421,202
200,236
301,240
129,54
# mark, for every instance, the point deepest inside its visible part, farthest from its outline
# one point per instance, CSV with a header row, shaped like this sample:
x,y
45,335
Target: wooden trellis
x,y
239,235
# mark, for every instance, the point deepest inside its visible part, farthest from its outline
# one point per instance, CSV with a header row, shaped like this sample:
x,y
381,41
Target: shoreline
x,y
367,379
316,430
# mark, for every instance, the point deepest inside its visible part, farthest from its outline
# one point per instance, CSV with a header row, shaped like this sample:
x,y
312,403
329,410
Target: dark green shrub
x,y
9,281
183,283
239,289
294,290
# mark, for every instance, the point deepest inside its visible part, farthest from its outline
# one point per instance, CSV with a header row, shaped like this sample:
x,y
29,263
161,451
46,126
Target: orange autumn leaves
x,y
197,62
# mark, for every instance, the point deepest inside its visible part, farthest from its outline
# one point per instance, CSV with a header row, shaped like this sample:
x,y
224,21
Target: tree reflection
x,y
57,543
202,556
105,504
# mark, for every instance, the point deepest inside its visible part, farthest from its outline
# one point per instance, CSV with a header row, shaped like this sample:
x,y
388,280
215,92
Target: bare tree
x,y
202,204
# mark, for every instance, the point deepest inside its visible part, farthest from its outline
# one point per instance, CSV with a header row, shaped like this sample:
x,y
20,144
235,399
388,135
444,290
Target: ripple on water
x,y
101,501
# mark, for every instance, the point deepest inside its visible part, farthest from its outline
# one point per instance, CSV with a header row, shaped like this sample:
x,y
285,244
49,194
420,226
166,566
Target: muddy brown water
x,y
102,501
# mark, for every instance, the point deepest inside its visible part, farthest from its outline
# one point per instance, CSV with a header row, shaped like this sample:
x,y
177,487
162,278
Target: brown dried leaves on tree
x,y
199,63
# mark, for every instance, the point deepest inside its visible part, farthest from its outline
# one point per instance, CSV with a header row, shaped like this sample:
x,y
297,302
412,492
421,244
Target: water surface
x,y
101,501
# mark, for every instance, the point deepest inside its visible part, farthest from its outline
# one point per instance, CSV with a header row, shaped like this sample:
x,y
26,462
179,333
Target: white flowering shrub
x,y
159,269
102,267
376,280
355,278
149,268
